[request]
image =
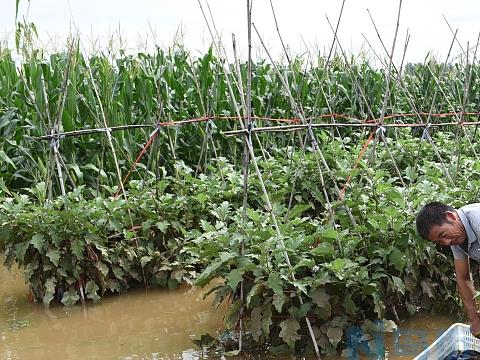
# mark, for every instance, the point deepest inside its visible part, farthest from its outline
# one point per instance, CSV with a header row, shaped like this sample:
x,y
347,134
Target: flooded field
x,y
141,324
153,324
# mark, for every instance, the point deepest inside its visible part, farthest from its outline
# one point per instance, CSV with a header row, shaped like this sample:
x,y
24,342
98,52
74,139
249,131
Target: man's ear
x,y
451,215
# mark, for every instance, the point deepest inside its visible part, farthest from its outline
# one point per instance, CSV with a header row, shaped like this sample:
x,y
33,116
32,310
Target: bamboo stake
x,y
299,113
465,94
278,32
414,107
240,91
387,90
114,154
246,158
264,191
335,33
387,93
466,90
220,46
59,168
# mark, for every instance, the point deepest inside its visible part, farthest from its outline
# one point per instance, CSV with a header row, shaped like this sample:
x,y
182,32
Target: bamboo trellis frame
x,y
372,124
247,122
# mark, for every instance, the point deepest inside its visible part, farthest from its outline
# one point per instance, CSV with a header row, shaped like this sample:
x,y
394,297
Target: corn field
x,y
63,92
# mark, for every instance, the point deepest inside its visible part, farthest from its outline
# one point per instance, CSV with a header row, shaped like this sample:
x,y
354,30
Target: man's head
x,y
440,224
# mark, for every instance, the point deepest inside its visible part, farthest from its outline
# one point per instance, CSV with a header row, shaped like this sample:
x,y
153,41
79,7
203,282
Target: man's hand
x,y
467,293
475,326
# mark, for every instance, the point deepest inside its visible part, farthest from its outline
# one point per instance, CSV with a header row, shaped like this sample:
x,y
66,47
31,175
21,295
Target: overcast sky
x,y
302,23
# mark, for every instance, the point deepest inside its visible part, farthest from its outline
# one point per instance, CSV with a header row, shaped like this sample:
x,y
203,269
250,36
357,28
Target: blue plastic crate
x,y
456,337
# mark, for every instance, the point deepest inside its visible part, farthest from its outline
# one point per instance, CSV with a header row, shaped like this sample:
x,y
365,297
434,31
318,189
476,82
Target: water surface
x,y
140,324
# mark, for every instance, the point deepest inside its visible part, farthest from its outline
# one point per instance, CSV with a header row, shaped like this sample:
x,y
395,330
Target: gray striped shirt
x,y
470,217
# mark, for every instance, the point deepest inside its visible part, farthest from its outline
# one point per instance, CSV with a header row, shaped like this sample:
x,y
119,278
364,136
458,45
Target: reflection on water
x,y
153,324
415,334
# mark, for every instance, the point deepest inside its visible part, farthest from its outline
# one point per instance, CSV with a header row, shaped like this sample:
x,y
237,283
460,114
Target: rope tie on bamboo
x,y
381,130
250,127
425,134
55,142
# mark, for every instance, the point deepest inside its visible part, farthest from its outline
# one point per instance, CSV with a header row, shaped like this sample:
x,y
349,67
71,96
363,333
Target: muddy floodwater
x,y
153,324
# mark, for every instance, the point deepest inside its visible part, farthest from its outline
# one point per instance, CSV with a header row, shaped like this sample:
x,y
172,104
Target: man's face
x,y
452,232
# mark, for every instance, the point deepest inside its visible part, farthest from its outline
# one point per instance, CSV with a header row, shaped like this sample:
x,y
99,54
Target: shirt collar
x,y
466,224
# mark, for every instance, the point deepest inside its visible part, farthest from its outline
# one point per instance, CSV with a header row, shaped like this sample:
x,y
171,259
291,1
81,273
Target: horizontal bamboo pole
x,y
161,124
288,128
91,131
285,128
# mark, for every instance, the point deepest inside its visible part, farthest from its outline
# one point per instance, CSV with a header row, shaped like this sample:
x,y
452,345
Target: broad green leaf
x,y
428,287
275,283
233,278
298,210
210,271
253,291
289,332
49,290
398,284
77,248
323,249
322,300
144,260
349,305
301,286
113,285
91,289
278,301
37,241
233,315
256,323
103,268
320,297
118,272
308,263
411,173
330,234
379,305
70,297
397,258
334,335
54,255
162,226
338,265
267,319
21,249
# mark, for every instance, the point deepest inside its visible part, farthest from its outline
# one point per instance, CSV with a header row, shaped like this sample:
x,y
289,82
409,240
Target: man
x,y
459,229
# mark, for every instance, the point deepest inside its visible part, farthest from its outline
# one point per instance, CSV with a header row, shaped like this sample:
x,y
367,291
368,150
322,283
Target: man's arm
x,y
467,292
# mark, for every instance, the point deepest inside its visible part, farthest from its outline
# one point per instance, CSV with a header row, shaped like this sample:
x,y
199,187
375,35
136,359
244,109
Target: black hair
x,y
431,214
